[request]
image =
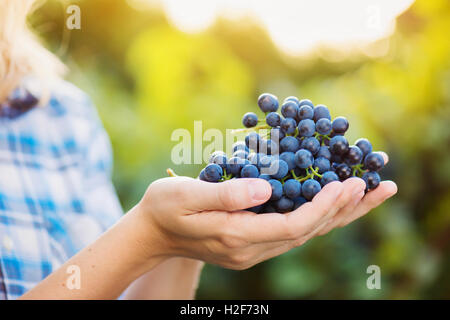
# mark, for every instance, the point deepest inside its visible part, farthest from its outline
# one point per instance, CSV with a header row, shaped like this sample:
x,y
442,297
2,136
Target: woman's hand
x,y
208,221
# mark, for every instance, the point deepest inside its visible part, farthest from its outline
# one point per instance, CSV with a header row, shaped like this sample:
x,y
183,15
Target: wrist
x,y
146,240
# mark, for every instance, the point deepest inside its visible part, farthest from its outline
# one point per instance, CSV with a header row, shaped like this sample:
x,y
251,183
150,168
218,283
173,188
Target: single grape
x,y
213,172
304,159
289,158
221,160
235,165
343,171
310,188
278,169
372,179
250,120
273,119
340,125
374,161
289,109
201,176
321,111
288,125
284,205
249,171
323,164
277,189
311,144
353,156
298,202
292,98
323,126
240,145
265,162
268,102
324,152
364,145
305,112
305,102
290,144
306,128
252,141
292,188
215,153
328,177
338,145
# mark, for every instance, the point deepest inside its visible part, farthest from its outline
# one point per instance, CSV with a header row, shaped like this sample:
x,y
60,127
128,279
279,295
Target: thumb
x,y
231,195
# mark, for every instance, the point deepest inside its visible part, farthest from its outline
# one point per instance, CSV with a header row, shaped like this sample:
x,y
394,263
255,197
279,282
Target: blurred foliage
x,y
148,79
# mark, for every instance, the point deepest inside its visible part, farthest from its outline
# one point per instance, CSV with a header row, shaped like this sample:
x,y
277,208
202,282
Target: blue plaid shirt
x,y
56,194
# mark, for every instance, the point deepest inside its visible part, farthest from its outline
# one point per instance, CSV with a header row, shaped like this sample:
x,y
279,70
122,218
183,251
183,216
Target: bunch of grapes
x,y
302,150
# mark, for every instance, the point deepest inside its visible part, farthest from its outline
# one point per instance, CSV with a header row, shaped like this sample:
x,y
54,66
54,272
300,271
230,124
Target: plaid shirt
x,y
56,194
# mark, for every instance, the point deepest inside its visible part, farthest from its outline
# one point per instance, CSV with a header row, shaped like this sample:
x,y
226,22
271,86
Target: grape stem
x,y
171,173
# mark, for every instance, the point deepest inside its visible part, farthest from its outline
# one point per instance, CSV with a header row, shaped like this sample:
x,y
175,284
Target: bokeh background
x,y
152,69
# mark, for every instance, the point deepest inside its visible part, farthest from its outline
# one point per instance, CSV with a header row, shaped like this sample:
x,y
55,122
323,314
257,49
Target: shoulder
x,y
66,99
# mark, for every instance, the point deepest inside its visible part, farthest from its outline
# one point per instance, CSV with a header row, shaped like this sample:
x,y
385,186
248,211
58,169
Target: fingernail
x,y
258,190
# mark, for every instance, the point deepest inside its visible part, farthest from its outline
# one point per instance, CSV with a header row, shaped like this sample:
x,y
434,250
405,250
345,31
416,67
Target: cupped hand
x,y
208,221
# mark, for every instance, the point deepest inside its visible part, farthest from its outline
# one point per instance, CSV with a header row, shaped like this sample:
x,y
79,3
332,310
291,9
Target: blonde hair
x,y
21,54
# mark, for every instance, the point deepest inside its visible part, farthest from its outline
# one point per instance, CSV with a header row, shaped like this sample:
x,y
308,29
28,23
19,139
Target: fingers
x,y
291,226
372,199
342,214
195,195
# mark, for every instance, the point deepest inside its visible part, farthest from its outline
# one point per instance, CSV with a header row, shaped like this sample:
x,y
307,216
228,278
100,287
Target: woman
x,y
62,232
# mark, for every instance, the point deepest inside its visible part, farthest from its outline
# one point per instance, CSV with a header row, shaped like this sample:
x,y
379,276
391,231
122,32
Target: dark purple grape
x,y
338,145
328,177
289,109
343,171
372,180
305,112
340,125
323,126
250,120
364,145
324,152
353,156
310,188
284,205
374,161
273,119
304,159
268,102
311,144
321,111
323,164
288,125
290,144
306,128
